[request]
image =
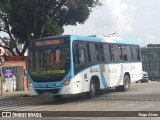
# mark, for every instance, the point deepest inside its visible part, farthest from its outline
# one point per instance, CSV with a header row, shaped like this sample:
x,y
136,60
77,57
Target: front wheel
x,y
92,92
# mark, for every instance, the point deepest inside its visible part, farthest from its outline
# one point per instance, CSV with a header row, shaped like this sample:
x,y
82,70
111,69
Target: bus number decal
x,y
94,70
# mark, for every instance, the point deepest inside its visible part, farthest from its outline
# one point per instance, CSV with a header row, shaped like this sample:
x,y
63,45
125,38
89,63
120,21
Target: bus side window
x,y
93,52
135,53
89,52
129,53
124,51
97,52
101,51
120,52
81,56
107,53
74,57
115,52
111,53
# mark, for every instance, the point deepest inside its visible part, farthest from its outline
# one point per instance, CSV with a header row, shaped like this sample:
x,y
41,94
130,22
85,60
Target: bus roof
x,y
95,38
101,38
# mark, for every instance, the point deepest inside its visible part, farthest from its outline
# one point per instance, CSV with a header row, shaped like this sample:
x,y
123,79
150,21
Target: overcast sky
x,y
131,20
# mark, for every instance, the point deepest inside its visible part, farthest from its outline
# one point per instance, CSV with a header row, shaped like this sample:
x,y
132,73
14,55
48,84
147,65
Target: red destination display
x,y
48,42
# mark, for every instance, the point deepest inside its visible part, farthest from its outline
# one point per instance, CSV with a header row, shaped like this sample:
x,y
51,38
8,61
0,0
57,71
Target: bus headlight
x,y
67,81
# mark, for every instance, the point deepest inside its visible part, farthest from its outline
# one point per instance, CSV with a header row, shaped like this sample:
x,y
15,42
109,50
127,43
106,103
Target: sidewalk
x,y
9,95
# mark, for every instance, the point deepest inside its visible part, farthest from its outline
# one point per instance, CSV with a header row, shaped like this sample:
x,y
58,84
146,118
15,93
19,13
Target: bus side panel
x,y
98,71
84,78
134,70
76,85
81,82
112,74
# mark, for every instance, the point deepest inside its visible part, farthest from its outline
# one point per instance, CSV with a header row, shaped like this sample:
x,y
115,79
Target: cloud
x,y
148,39
112,16
120,16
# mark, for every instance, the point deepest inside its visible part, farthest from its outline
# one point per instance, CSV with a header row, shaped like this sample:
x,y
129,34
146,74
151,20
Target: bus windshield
x,y
53,62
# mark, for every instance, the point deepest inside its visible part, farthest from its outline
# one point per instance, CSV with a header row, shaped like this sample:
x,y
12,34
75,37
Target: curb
x,y
128,99
13,96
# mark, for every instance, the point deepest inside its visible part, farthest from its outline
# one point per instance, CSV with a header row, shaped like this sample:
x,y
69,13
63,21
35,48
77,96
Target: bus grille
x,y
53,91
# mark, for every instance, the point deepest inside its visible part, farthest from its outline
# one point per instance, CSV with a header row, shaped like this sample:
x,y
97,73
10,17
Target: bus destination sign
x,y
48,42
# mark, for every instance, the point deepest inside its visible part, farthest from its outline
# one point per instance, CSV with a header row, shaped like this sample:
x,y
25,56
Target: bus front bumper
x,y
53,91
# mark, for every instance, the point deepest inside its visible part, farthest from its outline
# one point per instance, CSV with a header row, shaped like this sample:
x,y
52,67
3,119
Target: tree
x,y
24,20
153,45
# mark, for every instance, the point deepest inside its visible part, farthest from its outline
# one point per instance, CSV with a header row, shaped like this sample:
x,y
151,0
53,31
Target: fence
x,y
151,61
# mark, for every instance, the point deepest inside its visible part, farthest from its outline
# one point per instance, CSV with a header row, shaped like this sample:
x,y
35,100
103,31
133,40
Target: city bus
x,y
72,64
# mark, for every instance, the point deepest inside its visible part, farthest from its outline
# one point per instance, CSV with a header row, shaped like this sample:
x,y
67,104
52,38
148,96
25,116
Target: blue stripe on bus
x,y
84,38
127,42
71,57
103,78
107,63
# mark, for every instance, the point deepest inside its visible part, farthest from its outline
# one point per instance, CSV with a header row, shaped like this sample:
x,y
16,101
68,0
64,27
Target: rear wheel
x,y
126,84
58,97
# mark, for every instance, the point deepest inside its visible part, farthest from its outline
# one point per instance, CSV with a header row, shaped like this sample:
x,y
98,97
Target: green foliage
x,y
153,45
21,18
53,29
5,5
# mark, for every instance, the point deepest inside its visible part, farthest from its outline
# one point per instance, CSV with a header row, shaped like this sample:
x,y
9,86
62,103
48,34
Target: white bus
x,y
63,65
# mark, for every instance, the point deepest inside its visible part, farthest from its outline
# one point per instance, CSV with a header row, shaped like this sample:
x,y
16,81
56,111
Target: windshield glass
x,y
49,62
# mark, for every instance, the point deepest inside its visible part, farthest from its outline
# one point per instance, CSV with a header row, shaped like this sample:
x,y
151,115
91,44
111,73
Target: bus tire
x,y
126,84
92,92
58,97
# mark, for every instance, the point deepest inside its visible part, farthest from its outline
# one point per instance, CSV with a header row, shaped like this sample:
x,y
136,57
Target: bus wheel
x,y
126,84
92,92
58,97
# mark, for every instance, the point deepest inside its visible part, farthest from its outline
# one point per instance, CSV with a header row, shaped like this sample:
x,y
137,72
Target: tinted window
x,y
124,52
135,53
115,52
107,52
97,52
81,56
111,52
49,62
92,50
101,50
129,53
120,52
89,52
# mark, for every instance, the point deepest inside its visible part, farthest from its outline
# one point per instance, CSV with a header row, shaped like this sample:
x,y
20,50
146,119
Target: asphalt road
x,y
140,97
